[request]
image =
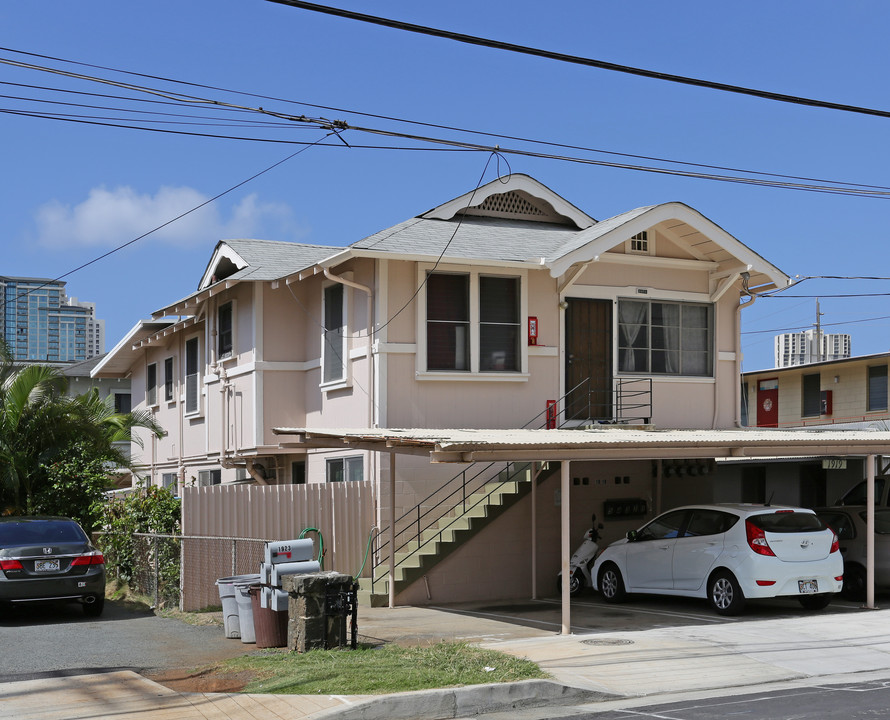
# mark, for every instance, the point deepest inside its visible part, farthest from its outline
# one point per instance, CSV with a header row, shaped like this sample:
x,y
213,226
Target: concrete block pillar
x,y
315,621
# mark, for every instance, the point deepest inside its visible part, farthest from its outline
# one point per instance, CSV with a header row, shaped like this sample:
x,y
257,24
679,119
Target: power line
x,y
577,60
204,101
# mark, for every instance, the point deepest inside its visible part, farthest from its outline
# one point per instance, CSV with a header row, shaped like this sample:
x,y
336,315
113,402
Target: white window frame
x,y
643,243
185,376
344,380
474,373
170,379
151,384
348,464
647,371
230,353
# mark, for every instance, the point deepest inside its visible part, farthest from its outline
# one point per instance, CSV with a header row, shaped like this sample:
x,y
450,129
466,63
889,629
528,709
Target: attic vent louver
x,y
510,203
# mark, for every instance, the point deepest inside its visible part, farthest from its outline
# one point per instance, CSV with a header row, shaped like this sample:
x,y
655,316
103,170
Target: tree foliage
x,y
49,440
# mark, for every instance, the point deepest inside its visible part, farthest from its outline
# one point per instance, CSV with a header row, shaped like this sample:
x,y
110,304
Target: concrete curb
x,y
464,701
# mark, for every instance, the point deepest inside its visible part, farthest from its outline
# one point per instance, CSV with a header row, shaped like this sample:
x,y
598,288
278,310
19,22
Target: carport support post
x,y
392,529
870,534
565,545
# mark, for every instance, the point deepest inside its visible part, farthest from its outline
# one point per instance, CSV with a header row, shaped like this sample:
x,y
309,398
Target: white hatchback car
x,y
726,553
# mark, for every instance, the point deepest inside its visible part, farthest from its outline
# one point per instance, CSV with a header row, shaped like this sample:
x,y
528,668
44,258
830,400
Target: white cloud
x,y
108,218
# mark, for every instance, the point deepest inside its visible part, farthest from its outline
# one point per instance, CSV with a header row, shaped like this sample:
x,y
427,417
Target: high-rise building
x,y
810,346
39,322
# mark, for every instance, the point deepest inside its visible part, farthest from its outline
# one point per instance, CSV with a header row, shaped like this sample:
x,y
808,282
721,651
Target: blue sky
x,y
73,191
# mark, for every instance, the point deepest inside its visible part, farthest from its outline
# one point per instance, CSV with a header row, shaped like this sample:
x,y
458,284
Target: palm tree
x,y
40,424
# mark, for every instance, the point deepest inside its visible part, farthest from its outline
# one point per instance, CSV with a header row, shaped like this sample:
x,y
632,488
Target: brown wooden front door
x,y
588,359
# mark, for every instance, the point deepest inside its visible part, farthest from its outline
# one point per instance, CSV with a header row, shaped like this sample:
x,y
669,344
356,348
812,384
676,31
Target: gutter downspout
x,y
738,359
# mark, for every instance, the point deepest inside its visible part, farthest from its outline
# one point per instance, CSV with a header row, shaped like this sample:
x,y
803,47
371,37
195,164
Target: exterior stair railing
x,y
463,492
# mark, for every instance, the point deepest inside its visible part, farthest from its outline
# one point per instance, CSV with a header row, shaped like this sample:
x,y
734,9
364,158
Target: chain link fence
x,y
180,571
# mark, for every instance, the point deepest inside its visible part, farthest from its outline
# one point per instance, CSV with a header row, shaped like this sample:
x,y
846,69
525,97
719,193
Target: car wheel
x,y
725,595
95,608
815,602
854,582
610,584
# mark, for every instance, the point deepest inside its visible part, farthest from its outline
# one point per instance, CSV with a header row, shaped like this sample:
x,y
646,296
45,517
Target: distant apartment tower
x,y
39,323
804,347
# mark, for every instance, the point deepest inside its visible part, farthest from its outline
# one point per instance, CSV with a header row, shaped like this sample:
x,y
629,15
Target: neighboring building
x,y
810,346
81,382
461,317
95,328
835,392
40,324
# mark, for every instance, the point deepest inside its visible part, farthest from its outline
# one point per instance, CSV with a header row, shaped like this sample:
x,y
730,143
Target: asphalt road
x,y
57,640
848,701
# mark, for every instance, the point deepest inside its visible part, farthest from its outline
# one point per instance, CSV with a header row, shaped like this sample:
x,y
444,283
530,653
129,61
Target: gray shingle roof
x,y
476,238
271,259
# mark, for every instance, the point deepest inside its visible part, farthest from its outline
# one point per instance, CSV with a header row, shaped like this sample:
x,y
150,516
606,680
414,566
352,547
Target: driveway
x,y
47,641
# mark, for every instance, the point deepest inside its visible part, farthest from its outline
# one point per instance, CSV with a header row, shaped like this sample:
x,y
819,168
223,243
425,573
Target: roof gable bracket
x,y
573,278
724,285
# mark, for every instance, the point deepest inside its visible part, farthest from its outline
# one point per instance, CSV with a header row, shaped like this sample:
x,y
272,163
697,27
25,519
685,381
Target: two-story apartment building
x,y
505,307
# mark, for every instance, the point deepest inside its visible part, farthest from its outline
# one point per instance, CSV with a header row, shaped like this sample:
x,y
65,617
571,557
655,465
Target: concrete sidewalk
x,y
586,668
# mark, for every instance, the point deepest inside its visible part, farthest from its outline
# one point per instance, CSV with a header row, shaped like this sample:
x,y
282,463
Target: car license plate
x,y
808,586
53,566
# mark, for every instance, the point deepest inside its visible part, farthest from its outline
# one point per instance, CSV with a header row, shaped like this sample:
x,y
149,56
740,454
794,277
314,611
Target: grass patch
x,y
377,670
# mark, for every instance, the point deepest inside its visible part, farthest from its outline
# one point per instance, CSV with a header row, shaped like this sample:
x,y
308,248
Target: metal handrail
x,y
420,518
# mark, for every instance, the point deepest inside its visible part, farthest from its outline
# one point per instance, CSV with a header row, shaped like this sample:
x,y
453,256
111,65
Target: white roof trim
x,y
653,216
524,183
222,251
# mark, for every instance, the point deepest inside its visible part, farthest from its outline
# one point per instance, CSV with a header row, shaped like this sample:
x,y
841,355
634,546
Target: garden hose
x,y
367,550
320,544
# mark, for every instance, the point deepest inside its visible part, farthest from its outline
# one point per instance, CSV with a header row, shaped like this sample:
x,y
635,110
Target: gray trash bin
x,y
226,587
245,609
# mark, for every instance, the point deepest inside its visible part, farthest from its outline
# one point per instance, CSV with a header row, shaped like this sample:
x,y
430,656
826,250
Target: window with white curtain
x,y
665,338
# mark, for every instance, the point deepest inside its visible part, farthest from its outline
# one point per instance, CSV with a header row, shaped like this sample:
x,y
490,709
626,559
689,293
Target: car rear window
x,y
33,532
882,521
787,522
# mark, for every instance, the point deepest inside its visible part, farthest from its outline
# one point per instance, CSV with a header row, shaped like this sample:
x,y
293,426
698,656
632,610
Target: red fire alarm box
x,y
826,403
551,414
532,330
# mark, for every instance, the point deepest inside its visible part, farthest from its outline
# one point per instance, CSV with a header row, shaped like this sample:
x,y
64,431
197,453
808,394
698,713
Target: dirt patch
x,y
202,681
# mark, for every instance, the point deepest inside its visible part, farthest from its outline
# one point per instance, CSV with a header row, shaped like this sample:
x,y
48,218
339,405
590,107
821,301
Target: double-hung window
x,y
192,386
151,384
448,322
225,330
473,322
333,353
665,338
877,387
168,379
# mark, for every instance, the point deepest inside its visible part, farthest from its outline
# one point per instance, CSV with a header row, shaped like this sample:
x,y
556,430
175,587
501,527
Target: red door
x,y
768,403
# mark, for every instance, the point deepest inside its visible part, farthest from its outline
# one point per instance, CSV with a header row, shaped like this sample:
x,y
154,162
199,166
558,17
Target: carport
x,y
599,443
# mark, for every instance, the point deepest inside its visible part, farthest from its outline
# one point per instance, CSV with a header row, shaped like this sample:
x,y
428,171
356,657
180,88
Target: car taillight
x,y
835,543
11,565
757,539
92,559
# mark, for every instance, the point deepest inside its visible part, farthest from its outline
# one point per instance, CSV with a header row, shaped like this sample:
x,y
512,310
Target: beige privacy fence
x,y
212,517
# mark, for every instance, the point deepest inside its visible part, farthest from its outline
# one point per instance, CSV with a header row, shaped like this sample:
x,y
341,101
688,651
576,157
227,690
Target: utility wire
x,y
412,122
162,225
577,60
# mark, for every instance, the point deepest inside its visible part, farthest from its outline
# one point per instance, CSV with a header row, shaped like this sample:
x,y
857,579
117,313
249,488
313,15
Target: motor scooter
x,y
582,560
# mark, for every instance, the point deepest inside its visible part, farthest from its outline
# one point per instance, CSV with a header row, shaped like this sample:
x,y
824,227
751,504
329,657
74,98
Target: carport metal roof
x,y
600,443
595,443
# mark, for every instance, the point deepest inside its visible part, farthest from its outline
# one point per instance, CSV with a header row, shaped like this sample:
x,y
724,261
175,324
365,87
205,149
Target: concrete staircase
x,y
414,558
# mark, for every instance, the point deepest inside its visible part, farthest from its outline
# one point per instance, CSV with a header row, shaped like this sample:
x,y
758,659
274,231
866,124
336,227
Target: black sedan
x,y
50,558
